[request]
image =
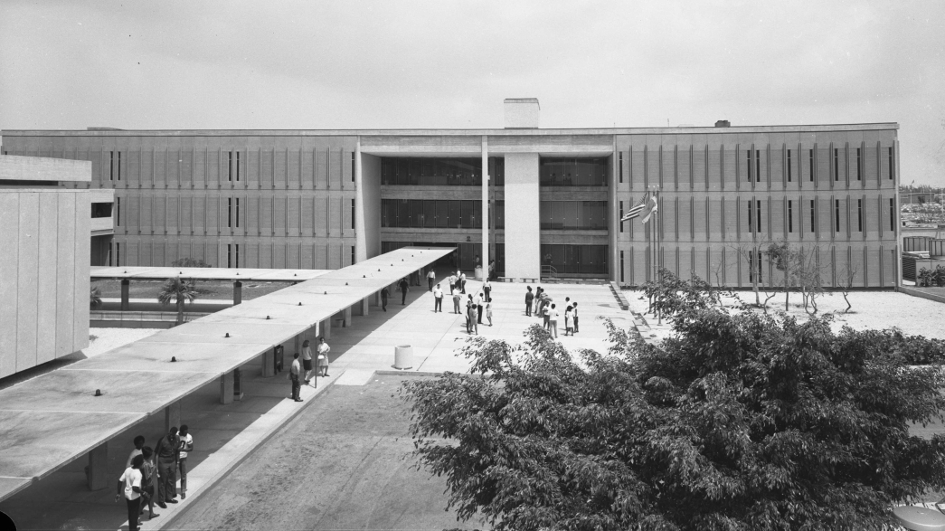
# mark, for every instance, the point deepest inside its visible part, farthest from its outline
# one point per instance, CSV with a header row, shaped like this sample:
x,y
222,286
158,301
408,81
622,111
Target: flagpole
x,y
656,227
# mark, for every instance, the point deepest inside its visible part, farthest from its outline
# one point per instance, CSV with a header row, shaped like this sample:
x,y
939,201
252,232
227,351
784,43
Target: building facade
x,y
539,201
44,263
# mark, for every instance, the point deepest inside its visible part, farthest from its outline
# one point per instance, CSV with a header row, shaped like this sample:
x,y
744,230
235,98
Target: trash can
x,y
478,272
403,357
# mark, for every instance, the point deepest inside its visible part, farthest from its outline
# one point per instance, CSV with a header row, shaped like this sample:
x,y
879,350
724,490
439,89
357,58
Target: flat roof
x,y
50,420
709,129
205,273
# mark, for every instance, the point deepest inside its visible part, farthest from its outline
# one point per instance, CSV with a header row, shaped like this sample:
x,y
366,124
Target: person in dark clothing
x,y
385,293
529,298
166,451
404,288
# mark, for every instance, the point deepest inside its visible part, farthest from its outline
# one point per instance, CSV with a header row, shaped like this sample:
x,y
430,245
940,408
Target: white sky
x,y
441,64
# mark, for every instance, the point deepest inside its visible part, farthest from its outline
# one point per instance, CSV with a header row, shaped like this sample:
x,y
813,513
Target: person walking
x,y
437,299
404,288
148,476
385,293
574,315
538,293
139,446
294,376
452,281
489,311
479,302
462,282
129,484
529,298
166,451
186,446
553,321
487,290
306,361
569,321
546,317
457,299
322,358
431,278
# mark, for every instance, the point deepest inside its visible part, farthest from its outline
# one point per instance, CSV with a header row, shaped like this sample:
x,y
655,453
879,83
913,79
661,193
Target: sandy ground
x,y
870,310
342,464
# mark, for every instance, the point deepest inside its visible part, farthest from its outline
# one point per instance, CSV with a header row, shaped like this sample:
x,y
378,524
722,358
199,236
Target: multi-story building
x,y
552,201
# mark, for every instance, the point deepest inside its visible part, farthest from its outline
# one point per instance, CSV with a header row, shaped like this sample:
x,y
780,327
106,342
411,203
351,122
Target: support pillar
x,y
226,388
268,367
237,292
97,471
297,345
377,298
346,322
125,285
365,304
485,208
326,326
171,416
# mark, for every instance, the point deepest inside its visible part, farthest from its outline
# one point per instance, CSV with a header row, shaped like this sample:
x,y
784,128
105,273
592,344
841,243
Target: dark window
x,y
836,209
757,166
432,214
754,265
229,213
836,164
789,165
620,165
111,165
575,259
233,255
754,216
237,178
621,266
790,216
353,256
573,172
117,211
751,216
438,172
892,163
229,166
352,214
499,214
859,165
237,213
101,210
859,214
117,254
621,217
573,215
748,156
892,214
237,254
812,211
119,165
229,255
352,180
812,165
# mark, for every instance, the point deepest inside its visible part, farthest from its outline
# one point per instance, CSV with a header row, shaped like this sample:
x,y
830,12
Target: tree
x,y
177,291
739,421
847,275
190,262
785,259
95,297
809,274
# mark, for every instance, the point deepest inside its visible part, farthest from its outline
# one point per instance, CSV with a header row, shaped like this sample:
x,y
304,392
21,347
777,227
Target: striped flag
x,y
635,211
651,208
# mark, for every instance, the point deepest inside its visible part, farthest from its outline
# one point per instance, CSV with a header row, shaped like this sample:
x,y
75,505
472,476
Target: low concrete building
x,y
44,260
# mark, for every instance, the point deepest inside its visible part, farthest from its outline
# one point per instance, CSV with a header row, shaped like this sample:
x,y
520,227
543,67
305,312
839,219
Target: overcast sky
x,y
439,64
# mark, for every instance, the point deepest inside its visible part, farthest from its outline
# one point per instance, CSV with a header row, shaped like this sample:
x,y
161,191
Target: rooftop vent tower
x,y
521,113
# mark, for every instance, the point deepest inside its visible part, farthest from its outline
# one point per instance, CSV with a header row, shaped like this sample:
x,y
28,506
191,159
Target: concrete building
x,y
552,199
44,263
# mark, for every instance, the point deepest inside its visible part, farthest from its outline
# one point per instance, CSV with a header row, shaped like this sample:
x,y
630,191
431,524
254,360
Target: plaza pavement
x,y
226,435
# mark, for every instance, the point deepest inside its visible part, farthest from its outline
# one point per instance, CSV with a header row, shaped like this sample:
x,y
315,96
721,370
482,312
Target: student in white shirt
x,y
186,445
129,484
437,299
553,321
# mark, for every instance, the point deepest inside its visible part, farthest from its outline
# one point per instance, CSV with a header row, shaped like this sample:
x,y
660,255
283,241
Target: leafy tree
x,y
177,291
738,422
785,259
190,262
95,297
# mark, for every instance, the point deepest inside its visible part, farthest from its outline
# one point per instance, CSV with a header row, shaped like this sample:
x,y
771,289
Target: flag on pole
x,y
635,211
651,208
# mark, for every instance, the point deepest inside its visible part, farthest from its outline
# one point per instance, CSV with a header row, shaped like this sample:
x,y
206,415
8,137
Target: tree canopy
x,y
739,421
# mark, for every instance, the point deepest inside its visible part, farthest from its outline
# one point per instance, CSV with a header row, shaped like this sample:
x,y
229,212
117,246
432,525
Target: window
x,y
117,211
352,178
573,215
859,214
232,207
117,254
101,210
237,179
836,210
836,164
114,166
237,214
811,157
621,266
620,167
751,215
790,216
754,216
789,165
229,213
813,207
233,166
352,216
754,265
416,213
748,155
572,172
352,255
575,259
229,165
892,214
757,166
892,164
859,165
621,217
406,171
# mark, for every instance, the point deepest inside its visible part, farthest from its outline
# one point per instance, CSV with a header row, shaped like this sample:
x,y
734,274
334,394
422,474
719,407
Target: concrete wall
x,y
44,266
522,221
371,195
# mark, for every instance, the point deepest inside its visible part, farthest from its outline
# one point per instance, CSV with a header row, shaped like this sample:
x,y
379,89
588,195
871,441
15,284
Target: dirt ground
x,y
208,289
341,464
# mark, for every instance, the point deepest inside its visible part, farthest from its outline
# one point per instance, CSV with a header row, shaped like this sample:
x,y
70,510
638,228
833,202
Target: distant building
x,y
44,259
327,198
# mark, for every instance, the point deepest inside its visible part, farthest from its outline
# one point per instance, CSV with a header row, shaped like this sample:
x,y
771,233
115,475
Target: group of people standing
x,y
542,305
152,473
299,372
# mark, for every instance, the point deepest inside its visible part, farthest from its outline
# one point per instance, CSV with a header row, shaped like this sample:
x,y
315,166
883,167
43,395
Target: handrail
x,y
549,269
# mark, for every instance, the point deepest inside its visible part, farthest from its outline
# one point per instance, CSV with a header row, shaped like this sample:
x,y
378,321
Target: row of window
x,y
428,171
281,256
467,214
807,220
693,164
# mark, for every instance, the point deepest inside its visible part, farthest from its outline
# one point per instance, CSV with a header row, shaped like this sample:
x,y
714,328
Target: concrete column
x,y
125,284
347,317
485,207
97,471
523,245
268,369
365,304
614,216
237,292
172,416
326,328
297,345
226,388
377,298
360,221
